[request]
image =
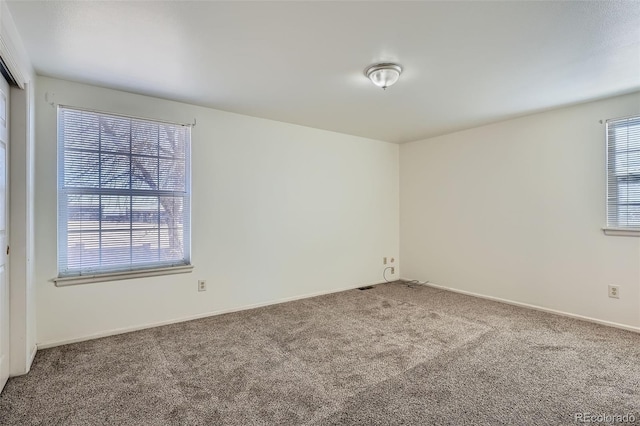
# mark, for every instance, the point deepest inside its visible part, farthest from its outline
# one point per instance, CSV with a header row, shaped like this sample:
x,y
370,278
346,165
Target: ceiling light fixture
x,y
383,75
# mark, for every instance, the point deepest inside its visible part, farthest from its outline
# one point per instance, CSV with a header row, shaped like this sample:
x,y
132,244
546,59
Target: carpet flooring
x,y
391,355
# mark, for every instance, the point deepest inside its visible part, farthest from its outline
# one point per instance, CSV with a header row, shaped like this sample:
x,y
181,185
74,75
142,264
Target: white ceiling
x,y
466,63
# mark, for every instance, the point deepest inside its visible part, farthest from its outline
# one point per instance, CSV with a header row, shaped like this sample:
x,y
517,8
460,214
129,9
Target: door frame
x,y
22,308
5,287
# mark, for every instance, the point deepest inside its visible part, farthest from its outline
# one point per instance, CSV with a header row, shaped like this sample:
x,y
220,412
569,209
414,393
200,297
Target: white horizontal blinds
x,y
123,193
623,173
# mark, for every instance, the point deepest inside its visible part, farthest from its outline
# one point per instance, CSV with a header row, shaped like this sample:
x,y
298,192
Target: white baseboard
x,y
535,307
32,357
123,330
27,367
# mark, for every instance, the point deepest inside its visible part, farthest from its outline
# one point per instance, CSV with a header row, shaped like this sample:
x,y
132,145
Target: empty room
x,y
319,212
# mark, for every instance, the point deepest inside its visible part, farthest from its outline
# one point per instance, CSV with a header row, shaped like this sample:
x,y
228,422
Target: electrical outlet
x,y
393,259
614,291
393,270
384,260
202,285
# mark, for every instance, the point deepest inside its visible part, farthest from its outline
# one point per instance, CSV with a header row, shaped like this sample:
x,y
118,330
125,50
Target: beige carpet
x,y
386,356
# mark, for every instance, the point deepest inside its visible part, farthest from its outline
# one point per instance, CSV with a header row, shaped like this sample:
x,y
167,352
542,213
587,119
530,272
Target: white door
x,y
4,238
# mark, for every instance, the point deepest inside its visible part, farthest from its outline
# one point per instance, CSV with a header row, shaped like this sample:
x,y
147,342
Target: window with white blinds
x,y
123,193
623,173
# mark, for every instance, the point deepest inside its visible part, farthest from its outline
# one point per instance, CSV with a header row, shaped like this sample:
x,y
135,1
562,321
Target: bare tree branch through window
x,y
123,193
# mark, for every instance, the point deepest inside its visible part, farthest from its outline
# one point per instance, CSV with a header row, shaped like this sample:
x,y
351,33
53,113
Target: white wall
x,y
514,210
278,211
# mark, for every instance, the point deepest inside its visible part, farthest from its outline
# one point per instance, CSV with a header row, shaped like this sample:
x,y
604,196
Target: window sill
x,y
115,276
622,232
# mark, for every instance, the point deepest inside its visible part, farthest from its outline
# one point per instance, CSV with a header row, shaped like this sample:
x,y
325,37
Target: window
x,y
623,173
123,194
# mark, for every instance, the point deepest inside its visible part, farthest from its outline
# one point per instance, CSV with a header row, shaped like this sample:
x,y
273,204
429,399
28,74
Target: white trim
x,y
9,36
113,332
534,307
621,232
115,276
29,362
10,62
27,367
34,351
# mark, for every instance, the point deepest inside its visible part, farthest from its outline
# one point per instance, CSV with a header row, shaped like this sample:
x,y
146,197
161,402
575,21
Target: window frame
x,y
90,275
614,229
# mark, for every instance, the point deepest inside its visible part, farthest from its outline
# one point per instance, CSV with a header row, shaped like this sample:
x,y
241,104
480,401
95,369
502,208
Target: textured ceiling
x,y
466,63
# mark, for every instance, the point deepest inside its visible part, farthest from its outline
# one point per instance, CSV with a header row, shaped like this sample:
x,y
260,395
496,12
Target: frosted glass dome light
x,y
383,75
